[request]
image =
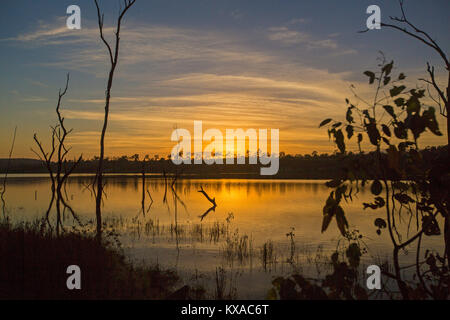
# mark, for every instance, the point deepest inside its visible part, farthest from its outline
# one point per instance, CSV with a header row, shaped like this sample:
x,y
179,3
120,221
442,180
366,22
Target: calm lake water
x,y
282,216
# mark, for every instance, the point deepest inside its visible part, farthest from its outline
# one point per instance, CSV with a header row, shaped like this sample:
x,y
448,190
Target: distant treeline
x,y
310,166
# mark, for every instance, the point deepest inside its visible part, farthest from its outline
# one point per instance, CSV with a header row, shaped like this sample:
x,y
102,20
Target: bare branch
x,y
212,200
426,38
213,208
430,71
100,18
72,168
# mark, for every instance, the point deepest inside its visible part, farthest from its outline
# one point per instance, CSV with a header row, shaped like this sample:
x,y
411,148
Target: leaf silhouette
x,y
395,91
324,122
371,76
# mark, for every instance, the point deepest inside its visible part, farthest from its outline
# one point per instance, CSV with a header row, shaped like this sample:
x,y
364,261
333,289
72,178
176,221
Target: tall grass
x,y
268,256
34,263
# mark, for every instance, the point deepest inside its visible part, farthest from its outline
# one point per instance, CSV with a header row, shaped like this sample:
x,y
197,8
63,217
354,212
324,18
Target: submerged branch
x,y
212,200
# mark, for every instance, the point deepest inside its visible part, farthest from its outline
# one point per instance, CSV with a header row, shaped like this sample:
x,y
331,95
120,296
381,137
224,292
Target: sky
x,y
260,64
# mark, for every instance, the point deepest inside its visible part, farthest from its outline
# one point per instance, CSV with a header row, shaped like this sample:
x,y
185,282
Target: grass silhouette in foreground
x,y
34,262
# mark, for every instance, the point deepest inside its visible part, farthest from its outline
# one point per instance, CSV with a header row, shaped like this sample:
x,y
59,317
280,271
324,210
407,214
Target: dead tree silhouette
x,y
2,193
63,170
113,59
212,200
145,190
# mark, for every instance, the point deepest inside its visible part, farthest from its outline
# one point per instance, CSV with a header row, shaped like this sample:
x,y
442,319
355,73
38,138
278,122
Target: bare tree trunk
x,y
58,212
447,218
447,107
98,200
143,188
113,60
2,193
447,238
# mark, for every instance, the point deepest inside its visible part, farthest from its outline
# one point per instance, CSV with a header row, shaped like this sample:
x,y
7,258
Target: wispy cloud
x,y
227,101
296,21
287,35
35,99
178,75
37,83
45,33
144,44
237,14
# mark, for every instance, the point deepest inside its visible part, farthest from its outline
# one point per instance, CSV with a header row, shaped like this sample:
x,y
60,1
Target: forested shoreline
x,y
310,166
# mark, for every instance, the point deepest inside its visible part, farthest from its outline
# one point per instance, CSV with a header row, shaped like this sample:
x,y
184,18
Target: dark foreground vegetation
x,y
405,181
34,262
